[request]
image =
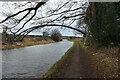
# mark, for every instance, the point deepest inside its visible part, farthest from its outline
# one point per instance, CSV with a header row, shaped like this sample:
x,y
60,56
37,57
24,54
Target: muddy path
x,y
77,65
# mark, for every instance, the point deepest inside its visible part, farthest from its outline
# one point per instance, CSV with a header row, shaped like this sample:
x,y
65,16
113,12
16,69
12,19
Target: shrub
x,y
56,35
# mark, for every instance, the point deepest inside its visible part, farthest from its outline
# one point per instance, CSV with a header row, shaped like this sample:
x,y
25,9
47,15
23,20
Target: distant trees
x,y
102,20
4,35
56,35
45,34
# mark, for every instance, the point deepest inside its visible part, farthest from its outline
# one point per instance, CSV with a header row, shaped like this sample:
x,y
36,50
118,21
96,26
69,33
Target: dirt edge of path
x,y
57,65
74,64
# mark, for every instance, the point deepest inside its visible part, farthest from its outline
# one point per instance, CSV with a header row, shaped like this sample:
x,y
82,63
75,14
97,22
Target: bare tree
x,y
40,15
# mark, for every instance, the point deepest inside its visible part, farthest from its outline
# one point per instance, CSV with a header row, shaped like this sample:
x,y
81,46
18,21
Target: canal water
x,y
33,61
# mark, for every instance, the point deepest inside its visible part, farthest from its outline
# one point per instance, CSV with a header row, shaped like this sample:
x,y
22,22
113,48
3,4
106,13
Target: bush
x,y
56,35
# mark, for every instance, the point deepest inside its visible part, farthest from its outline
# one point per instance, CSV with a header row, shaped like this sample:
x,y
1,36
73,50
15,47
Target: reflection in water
x,y
32,61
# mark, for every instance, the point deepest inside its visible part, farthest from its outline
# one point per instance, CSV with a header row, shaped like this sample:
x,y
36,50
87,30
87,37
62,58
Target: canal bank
x,y
28,41
74,64
57,65
86,62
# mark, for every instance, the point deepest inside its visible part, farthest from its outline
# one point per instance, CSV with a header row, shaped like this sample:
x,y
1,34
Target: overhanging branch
x,y
27,31
41,26
27,9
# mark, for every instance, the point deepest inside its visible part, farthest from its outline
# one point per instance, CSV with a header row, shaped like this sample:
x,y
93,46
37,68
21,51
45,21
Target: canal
x,y
32,61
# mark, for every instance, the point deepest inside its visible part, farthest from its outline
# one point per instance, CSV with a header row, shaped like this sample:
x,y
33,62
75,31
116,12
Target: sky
x,y
9,8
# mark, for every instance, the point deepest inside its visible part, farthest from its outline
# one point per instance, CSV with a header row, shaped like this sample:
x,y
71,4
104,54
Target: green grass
x,y
55,66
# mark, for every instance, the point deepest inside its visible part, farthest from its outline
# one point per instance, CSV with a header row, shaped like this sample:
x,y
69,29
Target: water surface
x,y
33,61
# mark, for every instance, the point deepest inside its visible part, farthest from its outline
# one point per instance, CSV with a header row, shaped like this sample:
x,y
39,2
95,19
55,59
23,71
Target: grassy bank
x,y
28,41
54,69
104,60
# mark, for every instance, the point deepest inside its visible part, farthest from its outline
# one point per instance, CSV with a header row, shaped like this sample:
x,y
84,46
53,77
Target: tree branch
x,y
29,9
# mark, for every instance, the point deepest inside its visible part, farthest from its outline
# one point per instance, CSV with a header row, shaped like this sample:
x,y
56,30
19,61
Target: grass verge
x,y
52,71
104,60
24,44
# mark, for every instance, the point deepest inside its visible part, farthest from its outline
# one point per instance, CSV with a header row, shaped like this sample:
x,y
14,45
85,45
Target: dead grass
x,y
105,61
29,41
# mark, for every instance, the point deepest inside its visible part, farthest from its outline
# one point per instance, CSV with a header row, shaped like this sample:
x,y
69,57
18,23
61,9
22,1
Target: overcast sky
x,y
7,7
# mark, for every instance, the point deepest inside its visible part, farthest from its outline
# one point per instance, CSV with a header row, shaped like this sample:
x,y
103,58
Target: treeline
x,y
55,35
103,21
